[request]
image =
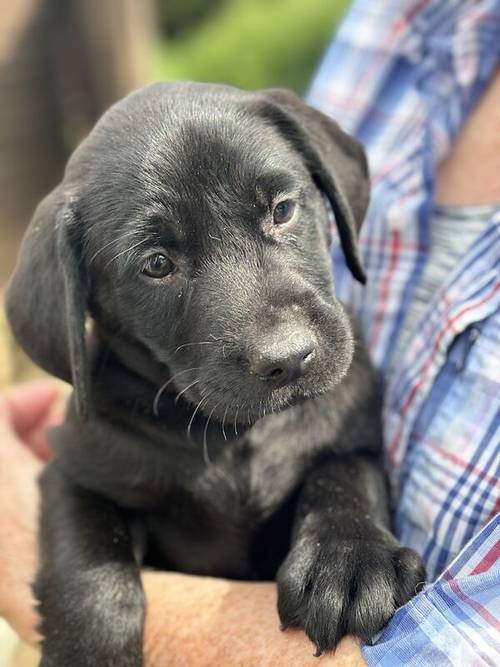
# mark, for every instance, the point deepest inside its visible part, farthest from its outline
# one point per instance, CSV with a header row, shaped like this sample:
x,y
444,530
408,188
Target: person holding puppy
x,y
441,383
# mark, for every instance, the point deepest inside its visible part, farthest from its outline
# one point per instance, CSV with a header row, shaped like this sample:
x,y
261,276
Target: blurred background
x,y
63,62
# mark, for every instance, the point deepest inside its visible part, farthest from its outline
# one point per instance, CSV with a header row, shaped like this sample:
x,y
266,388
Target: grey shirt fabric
x,y
453,229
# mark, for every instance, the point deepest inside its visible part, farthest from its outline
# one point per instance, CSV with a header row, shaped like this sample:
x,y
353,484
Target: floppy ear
x,y
336,161
47,295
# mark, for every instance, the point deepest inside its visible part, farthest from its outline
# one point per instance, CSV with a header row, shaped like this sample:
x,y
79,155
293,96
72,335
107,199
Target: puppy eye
x,y
158,266
283,212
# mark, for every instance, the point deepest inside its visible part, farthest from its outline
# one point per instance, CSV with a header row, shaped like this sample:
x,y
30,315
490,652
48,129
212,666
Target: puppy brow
x,y
126,251
275,183
167,238
261,196
109,244
164,230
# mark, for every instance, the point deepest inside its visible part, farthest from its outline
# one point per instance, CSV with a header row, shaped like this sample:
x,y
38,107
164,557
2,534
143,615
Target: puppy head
x,y
191,224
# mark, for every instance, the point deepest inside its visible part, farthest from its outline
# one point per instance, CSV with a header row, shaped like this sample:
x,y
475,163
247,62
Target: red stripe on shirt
x,y
479,609
488,561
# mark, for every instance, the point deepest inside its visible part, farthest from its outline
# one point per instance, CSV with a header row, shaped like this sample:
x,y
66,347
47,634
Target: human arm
x,y
200,621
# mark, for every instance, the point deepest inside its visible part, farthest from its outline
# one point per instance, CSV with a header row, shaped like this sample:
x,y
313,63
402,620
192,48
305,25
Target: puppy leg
x,y
88,585
345,573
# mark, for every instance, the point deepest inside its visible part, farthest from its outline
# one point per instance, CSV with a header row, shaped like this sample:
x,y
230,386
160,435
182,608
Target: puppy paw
x,y
331,589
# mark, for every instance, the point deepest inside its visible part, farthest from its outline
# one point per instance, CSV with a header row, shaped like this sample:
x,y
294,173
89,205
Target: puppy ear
x,y
336,161
47,295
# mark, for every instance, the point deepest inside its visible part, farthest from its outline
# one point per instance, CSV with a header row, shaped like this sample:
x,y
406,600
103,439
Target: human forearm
x,y
199,621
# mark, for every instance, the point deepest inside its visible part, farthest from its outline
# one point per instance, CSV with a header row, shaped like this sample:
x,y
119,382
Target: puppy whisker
x,y
176,400
206,457
188,430
236,420
203,342
224,421
164,386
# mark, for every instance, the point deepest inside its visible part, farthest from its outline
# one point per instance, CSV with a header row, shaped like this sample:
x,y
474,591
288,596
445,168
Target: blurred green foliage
x,y
180,16
247,43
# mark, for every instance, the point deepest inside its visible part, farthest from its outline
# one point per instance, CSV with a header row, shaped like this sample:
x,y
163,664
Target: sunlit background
x,y
63,62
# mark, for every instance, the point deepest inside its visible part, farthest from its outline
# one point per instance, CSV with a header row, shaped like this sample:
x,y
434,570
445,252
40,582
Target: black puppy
x,y
226,420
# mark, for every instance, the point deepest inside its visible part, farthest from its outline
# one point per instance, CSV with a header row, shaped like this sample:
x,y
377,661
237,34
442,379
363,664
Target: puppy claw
x,y
361,591
318,652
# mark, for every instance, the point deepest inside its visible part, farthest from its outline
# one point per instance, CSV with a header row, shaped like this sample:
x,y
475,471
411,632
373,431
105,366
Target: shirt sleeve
x,y
455,620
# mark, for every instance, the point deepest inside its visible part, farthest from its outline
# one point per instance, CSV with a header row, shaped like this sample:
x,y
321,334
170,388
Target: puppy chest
x,y
220,529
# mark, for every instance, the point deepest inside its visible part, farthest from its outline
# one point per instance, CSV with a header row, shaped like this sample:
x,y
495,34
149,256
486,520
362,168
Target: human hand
x,y
25,412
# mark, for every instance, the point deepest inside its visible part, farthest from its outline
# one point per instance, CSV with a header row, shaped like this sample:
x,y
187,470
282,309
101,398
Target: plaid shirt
x,y
403,75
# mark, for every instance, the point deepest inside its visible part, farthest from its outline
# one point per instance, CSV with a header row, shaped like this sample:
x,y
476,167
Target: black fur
x,y
226,419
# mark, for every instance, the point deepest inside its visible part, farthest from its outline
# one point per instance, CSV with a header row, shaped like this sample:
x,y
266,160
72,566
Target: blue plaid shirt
x,y
403,75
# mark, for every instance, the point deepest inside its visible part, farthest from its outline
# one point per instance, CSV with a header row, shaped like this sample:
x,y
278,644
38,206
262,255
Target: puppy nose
x,y
282,356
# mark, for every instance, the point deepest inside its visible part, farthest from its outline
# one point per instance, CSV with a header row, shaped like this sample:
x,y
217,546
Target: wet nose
x,y
283,355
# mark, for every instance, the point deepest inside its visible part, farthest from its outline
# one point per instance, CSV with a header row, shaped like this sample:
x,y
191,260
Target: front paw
x,y
334,588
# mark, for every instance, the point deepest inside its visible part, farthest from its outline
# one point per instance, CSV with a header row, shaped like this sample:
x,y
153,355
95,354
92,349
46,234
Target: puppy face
x,y
203,240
